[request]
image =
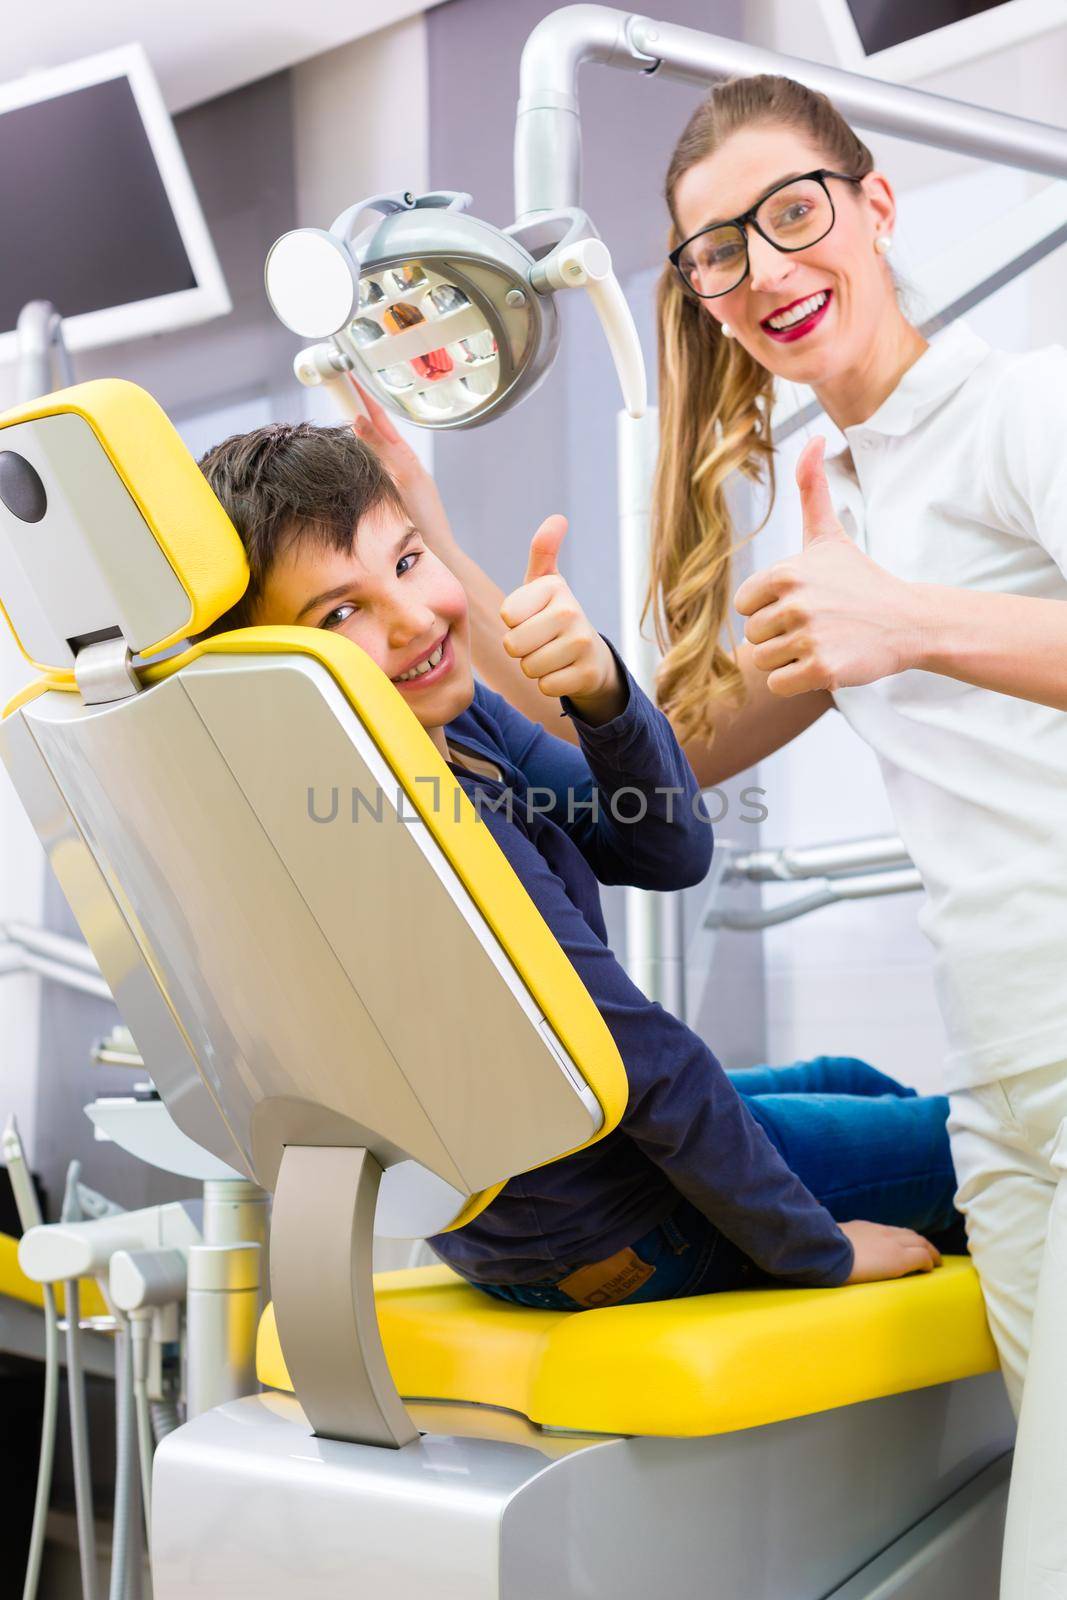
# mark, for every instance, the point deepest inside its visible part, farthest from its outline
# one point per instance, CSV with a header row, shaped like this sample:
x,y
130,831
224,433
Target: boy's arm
x,y
627,796
637,764
642,821
683,1112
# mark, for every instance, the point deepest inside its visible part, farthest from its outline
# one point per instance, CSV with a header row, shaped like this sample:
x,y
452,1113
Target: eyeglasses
x,y
794,215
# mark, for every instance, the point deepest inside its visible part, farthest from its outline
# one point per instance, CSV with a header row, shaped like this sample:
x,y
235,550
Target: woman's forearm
x,y
749,734
1013,644
491,661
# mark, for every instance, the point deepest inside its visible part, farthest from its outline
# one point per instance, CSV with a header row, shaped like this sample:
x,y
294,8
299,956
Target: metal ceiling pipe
x,y
548,131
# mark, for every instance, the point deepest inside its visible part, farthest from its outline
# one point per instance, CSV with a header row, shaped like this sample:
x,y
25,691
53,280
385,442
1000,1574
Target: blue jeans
x,y
863,1144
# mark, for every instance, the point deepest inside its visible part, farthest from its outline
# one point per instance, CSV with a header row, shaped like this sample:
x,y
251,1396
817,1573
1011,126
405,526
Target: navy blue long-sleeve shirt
x,y
685,1129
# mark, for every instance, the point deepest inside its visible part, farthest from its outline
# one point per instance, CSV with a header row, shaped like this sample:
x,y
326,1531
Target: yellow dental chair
x,y
299,915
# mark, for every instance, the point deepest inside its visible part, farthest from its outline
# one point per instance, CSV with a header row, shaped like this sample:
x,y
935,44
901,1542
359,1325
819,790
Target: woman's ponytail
x,y
715,414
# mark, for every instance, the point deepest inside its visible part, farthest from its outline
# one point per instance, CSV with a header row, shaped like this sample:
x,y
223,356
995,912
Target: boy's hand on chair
x,y
552,638
883,1252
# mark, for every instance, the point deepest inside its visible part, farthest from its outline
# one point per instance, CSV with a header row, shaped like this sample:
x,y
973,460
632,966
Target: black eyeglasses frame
x,y
741,224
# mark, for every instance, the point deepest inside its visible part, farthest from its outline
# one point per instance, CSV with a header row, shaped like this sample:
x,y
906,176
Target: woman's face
x,y
844,263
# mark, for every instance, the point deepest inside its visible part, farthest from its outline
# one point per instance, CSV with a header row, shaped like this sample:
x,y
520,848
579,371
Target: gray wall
x,y
556,451
239,150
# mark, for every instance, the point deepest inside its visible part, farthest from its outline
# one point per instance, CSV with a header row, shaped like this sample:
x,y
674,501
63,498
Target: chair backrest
x,y
310,933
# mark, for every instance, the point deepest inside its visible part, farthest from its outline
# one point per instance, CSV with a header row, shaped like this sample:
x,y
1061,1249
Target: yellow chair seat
x,y
710,1364
15,1284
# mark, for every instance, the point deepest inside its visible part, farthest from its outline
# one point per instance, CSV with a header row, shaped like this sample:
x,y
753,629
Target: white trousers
x,y
1009,1145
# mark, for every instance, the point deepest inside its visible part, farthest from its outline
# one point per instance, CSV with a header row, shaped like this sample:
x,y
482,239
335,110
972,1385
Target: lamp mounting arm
x,y
548,136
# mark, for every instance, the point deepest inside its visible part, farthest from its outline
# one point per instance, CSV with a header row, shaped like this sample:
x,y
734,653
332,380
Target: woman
x,y
935,621
927,605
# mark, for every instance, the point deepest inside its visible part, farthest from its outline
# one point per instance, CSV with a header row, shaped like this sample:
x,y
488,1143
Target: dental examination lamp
x,y
447,319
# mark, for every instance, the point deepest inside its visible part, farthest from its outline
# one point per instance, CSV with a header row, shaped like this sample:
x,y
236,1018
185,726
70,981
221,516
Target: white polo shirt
x,y
960,478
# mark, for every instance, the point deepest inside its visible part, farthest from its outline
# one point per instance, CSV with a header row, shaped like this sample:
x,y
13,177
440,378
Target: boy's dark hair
x,y
290,481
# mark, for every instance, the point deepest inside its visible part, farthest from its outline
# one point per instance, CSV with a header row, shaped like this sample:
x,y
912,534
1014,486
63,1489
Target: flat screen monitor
x,y
902,40
97,209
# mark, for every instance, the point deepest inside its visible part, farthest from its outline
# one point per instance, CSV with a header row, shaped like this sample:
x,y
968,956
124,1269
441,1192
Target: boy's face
x,y
392,597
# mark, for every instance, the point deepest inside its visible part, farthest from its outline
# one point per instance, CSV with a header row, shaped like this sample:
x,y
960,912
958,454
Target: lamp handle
x,y
586,264
387,205
325,365
620,330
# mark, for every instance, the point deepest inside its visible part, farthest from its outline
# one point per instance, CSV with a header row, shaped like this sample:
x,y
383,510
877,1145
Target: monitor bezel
x,y
964,40
160,313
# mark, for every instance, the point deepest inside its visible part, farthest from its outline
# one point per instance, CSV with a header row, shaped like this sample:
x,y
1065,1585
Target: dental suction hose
x,y
148,1287
79,1441
126,1546
79,1425
140,1335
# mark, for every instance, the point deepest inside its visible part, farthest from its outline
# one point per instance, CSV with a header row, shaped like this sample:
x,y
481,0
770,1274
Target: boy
x,y
700,1187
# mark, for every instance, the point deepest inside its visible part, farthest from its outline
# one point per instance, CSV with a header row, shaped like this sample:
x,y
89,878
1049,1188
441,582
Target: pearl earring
x,y
728,332
883,242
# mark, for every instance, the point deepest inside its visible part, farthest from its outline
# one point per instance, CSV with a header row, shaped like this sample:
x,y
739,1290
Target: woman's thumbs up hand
x,y
830,617
816,508
552,639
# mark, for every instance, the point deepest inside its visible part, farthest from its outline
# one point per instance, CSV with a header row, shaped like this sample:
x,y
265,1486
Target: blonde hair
x,y
715,405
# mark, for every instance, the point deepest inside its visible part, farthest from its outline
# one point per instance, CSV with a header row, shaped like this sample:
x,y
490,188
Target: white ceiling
x,y
199,48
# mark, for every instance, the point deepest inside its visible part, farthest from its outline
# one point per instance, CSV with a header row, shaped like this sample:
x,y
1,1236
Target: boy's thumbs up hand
x,y
830,617
553,641
544,549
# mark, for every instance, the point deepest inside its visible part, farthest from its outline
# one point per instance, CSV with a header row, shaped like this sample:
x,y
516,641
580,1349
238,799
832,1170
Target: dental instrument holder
x,y
313,278
335,1349
235,1221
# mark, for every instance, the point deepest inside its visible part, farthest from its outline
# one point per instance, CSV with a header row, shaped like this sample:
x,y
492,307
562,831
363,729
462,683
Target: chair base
x,y
900,1497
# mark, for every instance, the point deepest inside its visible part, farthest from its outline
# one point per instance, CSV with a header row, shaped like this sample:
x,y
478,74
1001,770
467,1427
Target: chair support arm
x,y
322,1236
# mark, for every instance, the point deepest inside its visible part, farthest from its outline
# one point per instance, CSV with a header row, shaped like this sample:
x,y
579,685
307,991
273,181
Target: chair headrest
x,y
107,524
